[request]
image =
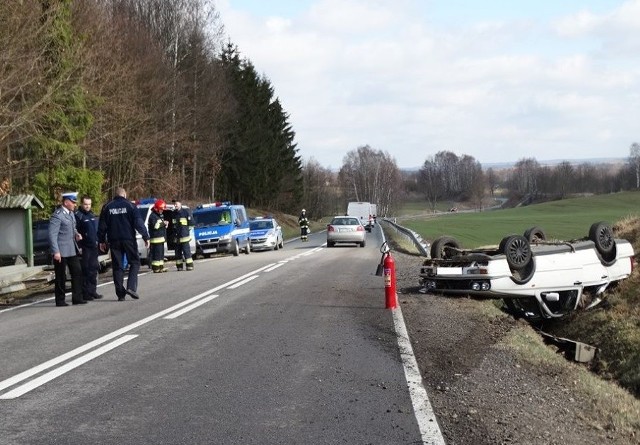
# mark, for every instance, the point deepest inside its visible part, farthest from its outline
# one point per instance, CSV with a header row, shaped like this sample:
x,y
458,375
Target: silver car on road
x,y
345,229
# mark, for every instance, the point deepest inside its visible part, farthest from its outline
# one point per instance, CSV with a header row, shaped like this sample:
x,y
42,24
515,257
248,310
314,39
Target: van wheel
x,y
236,248
247,249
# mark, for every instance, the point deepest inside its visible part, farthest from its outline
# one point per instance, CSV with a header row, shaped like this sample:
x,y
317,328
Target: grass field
x,y
565,219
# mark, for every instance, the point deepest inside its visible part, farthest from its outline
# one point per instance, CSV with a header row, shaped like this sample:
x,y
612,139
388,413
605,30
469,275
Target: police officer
x,y
63,239
157,232
119,221
182,221
87,224
304,225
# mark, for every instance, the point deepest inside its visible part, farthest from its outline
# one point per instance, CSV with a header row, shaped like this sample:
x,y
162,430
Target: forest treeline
x,y
145,94
446,176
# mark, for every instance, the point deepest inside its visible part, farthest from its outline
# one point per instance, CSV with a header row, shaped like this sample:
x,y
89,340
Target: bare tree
x,y
370,175
524,180
634,160
491,180
321,193
431,182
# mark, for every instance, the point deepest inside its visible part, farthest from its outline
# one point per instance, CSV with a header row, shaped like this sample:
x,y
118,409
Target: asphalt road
x,y
286,347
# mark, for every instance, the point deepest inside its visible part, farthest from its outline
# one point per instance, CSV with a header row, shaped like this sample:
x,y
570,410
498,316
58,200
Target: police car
x,y
265,234
221,227
144,207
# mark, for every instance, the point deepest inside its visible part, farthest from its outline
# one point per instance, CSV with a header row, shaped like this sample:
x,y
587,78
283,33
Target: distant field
x,y
565,219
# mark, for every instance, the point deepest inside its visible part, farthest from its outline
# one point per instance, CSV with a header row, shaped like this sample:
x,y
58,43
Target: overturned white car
x,y
536,277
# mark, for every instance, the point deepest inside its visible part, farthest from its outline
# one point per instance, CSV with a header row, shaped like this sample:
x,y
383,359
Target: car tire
x,y
281,243
247,248
236,248
602,236
362,244
517,250
441,247
535,235
330,244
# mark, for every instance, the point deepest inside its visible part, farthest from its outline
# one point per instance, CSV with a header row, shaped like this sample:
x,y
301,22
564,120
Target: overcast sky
x,y
499,80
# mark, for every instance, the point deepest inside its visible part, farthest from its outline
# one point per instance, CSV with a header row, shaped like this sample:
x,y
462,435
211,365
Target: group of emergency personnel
x,y
115,232
157,226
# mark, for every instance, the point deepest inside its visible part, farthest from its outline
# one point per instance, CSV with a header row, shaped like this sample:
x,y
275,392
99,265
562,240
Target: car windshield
x,y
260,225
345,222
212,217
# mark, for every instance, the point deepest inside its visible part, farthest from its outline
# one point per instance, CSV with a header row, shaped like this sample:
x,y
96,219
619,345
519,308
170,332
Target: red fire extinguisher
x,y
389,267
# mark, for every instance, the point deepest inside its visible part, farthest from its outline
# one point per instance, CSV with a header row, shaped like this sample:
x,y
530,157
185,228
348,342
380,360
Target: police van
x,y
145,207
221,227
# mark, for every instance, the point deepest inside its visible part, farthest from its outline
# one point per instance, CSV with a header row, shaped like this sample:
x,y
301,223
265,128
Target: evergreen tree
x,y
260,165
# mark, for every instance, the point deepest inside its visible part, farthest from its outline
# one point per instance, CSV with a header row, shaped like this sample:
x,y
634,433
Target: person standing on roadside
x,y
87,224
182,223
303,222
63,239
119,221
157,232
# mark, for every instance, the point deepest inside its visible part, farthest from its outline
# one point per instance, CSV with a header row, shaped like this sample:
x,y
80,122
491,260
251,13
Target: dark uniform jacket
x,y
87,225
119,220
182,220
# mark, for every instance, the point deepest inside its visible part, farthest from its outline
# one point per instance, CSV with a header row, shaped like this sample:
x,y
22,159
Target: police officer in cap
x,y
63,239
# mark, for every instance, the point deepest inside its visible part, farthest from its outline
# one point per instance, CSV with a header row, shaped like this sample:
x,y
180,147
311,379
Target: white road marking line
x,y
245,281
33,384
64,357
274,267
426,418
190,307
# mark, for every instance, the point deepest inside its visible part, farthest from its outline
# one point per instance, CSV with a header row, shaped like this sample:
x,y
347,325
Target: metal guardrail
x,y
422,245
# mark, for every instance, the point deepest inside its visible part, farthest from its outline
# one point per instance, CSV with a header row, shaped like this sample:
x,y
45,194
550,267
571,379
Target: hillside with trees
x,y
142,94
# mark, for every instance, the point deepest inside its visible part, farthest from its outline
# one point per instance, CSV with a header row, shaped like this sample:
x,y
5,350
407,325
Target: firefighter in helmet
x,y
182,222
304,225
157,232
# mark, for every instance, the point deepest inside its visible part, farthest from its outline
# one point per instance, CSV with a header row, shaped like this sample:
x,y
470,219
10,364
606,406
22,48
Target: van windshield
x,y
212,217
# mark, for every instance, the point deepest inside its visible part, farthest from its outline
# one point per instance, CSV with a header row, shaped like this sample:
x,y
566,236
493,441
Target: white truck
x,y
363,211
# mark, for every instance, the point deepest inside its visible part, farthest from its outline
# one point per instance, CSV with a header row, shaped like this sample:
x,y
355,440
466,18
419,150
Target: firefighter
x,y
182,222
304,225
157,232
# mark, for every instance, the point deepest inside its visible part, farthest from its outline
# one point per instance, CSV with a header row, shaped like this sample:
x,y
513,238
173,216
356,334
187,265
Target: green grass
x,y
564,219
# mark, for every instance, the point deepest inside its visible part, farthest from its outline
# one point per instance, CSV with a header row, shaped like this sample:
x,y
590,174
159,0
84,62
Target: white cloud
x,y
387,74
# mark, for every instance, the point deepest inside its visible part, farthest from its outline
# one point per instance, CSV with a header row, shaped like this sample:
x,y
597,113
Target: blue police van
x,y
221,227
